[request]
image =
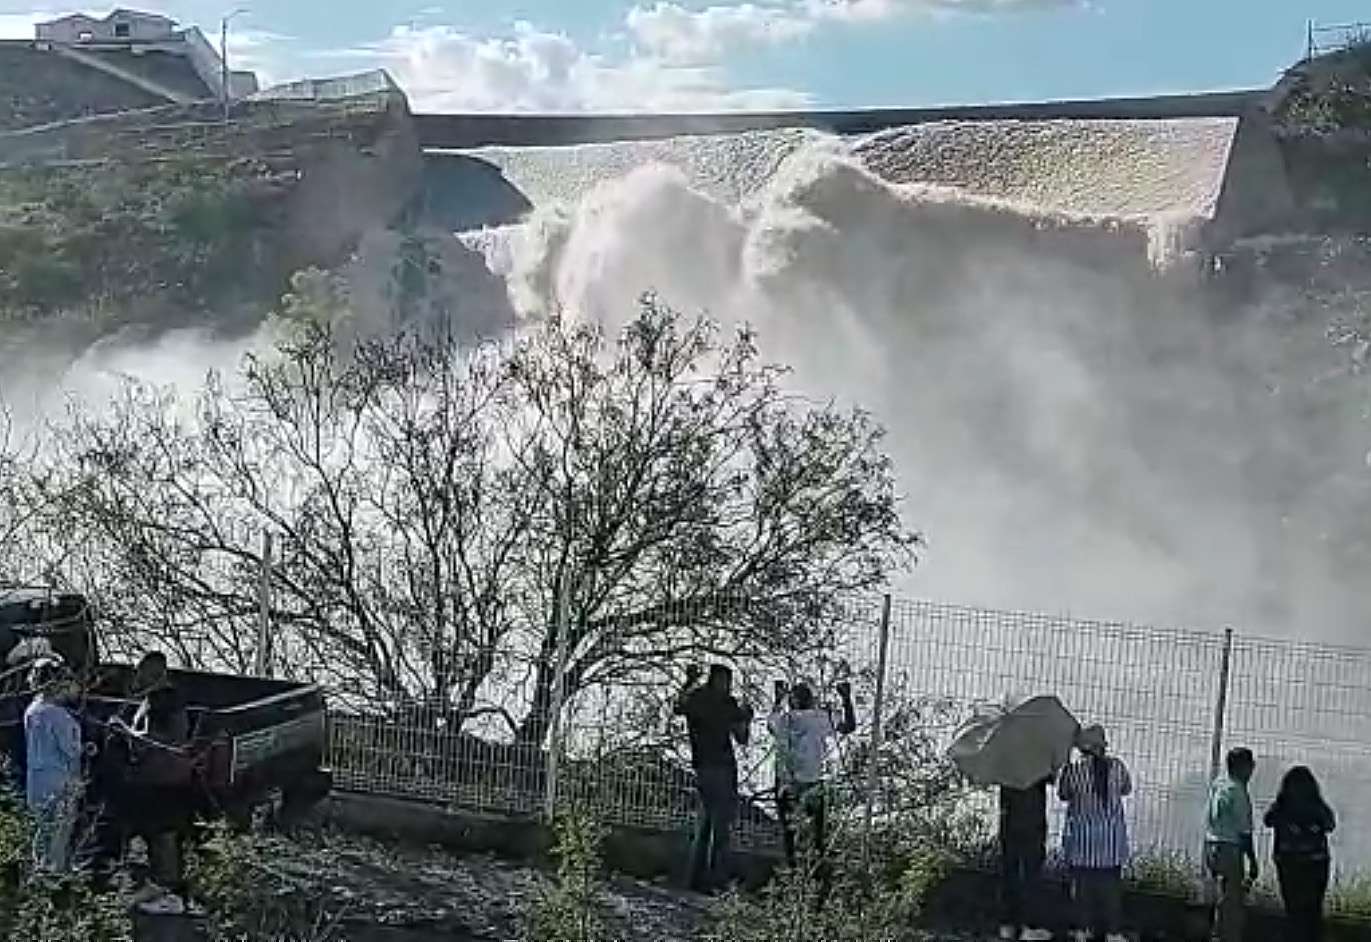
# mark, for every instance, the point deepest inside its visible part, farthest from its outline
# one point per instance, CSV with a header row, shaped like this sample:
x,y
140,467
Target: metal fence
x,y
1171,700
1322,39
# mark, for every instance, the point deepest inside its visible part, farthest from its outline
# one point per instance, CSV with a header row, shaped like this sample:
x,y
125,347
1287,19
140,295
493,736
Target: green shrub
x,y
570,910
40,908
866,899
1351,897
249,900
1166,873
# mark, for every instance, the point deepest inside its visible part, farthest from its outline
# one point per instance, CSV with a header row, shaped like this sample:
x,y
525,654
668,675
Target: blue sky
x,y
622,55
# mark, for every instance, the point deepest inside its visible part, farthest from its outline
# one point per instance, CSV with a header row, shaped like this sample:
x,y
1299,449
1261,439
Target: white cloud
x,y
675,34
447,70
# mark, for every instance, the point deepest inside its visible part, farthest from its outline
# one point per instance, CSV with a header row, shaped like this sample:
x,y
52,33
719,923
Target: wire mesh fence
x,y
1166,697
1325,38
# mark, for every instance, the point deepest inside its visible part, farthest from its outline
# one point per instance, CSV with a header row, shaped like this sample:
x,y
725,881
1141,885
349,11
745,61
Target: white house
x,y
140,34
121,26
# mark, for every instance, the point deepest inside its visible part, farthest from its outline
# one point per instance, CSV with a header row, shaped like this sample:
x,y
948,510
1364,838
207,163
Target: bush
x,y
1166,873
40,908
875,899
250,901
1351,897
570,911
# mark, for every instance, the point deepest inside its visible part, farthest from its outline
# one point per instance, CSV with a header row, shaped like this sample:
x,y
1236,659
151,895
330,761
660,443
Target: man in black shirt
x,y
154,797
1023,846
715,720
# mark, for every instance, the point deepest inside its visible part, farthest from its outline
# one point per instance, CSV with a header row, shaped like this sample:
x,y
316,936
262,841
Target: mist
x,y
1078,425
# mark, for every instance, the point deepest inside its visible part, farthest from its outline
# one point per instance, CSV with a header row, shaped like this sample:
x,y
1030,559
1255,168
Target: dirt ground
x,y
393,893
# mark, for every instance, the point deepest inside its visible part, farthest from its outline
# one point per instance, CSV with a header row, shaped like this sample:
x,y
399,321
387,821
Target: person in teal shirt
x,y
1228,843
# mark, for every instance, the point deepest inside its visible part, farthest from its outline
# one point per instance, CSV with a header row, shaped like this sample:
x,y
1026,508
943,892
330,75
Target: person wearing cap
x,y
1095,835
52,738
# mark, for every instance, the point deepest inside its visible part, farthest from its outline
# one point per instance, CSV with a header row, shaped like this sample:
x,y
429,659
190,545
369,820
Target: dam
x,y
1118,346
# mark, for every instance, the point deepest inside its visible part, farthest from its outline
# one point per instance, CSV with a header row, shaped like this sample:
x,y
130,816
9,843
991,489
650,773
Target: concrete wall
x,y
1257,196
376,81
41,88
205,60
449,131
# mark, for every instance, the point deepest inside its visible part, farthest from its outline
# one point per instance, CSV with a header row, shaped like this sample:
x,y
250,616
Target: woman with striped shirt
x,y
1095,836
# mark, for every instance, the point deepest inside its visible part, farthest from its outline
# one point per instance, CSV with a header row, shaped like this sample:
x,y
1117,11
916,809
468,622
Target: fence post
x,y
877,715
558,694
1211,882
1221,706
262,660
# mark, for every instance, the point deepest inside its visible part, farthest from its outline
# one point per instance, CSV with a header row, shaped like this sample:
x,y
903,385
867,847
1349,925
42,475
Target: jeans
x,y
1099,900
1225,862
54,828
718,793
1022,858
1304,885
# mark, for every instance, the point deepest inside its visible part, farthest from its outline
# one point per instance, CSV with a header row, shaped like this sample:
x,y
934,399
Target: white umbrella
x,y
1015,745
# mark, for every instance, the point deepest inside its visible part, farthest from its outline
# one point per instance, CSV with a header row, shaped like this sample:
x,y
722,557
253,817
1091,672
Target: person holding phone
x,y
715,721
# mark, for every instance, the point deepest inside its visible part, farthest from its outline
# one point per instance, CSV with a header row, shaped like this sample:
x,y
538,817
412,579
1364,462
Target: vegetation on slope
x,y
1331,93
102,241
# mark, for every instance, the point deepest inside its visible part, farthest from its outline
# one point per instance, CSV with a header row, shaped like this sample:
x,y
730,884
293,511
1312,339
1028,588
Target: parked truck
x,y
254,742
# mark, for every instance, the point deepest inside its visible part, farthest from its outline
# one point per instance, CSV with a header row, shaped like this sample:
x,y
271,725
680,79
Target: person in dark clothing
x,y
1023,851
1302,822
152,687
152,795
716,720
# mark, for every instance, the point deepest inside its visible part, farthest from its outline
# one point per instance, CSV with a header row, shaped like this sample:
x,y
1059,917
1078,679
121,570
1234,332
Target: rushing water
x,y
1076,424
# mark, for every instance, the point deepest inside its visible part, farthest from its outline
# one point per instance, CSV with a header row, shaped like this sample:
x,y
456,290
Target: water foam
x,y
1071,430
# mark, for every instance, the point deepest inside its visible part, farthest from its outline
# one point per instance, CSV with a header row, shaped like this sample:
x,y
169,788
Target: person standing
x,y
1302,822
716,720
1023,851
1095,836
153,802
52,739
803,734
1228,841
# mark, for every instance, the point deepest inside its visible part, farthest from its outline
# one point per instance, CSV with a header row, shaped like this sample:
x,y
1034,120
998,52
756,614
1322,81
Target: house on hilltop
x,y
121,26
147,51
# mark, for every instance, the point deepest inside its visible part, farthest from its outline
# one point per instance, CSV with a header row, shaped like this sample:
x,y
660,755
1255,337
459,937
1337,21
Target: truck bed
x,y
257,733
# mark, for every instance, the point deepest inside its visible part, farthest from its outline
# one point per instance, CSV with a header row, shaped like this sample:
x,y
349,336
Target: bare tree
x,y
435,503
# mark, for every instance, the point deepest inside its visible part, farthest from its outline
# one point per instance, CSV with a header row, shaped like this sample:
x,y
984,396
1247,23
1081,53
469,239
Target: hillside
x,y
1321,113
167,216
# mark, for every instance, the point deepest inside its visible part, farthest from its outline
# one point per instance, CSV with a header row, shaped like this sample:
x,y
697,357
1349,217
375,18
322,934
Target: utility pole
x,y
225,91
262,660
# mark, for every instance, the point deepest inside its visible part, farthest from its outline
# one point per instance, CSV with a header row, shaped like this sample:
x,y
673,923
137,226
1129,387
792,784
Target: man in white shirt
x,y
803,734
